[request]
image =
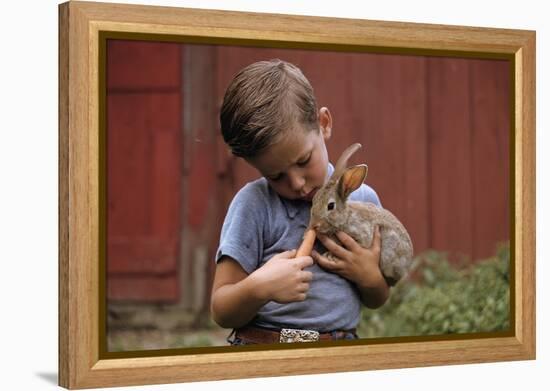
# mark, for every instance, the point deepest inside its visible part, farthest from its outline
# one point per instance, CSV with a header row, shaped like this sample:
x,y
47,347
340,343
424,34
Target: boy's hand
x,y
352,261
282,278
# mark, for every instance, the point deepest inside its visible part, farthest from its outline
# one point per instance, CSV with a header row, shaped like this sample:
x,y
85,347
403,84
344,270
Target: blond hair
x,y
264,100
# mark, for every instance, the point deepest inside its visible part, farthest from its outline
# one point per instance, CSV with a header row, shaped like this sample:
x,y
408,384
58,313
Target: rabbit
x,y
331,213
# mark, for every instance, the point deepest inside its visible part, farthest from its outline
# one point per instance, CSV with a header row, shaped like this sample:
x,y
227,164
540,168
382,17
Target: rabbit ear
x,y
351,179
343,161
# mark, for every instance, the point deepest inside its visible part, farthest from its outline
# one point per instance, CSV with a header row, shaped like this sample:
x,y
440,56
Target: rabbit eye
x,y
330,205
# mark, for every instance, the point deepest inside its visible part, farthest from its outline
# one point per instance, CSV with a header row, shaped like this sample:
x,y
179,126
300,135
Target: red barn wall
x,y
143,175
435,134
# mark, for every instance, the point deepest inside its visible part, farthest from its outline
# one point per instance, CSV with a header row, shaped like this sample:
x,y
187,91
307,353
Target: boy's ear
x,y
351,179
325,122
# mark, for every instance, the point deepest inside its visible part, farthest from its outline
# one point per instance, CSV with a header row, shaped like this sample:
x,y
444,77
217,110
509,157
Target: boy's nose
x,y
297,182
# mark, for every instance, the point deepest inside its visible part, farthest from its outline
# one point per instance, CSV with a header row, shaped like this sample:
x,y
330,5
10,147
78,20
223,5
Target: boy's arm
x,y
237,296
374,296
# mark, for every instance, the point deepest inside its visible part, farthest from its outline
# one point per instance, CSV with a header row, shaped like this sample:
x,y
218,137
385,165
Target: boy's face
x,y
296,166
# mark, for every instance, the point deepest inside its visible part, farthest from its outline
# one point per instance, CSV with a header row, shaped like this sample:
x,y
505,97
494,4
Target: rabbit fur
x,y
330,213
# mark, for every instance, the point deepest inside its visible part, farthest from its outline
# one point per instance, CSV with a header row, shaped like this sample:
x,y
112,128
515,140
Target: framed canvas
x,y
89,31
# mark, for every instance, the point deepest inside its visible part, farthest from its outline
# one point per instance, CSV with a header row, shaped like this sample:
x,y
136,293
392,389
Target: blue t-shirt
x,y
260,224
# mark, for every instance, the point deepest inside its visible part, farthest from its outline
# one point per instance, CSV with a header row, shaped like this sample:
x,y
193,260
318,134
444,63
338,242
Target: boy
x,y
269,117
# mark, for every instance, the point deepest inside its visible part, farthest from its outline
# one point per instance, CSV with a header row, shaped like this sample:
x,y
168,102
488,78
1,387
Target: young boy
x,y
269,117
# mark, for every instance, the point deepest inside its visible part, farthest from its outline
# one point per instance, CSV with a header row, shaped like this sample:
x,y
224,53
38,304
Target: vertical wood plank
x,y
490,89
200,231
143,181
413,132
143,163
450,129
329,75
388,99
165,137
129,164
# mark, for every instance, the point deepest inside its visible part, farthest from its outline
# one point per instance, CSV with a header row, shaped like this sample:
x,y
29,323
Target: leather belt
x,y
260,335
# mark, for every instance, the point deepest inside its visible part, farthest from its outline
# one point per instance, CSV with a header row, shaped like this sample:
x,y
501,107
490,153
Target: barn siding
x,y
435,134
143,178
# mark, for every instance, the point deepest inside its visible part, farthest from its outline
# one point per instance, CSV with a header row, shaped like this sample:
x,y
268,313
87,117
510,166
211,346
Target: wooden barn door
x,y
143,163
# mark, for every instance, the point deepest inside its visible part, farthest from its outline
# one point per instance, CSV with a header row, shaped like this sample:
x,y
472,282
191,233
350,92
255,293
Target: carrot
x,y
307,243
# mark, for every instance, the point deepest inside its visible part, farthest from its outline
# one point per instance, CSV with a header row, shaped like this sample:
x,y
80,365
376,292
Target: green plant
x,y
443,298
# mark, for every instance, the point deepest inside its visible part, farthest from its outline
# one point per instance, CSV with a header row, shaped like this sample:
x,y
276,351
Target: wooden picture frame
x,y
82,361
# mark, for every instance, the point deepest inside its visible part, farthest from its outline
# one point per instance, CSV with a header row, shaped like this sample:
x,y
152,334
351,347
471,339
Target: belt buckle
x,y
295,335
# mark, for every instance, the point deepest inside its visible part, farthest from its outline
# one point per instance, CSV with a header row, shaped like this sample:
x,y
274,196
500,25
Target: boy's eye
x,y
300,163
304,162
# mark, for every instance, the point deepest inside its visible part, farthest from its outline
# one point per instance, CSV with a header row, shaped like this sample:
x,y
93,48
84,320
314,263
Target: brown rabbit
x,y
331,213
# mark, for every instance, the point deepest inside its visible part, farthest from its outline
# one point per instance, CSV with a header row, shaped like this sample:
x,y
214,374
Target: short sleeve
x,y
365,194
242,231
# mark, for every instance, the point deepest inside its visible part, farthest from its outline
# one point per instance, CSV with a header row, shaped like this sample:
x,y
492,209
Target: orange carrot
x,y
307,243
